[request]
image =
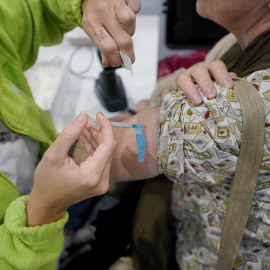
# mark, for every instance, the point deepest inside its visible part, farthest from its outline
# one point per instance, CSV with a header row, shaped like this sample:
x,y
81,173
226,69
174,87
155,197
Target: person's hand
x,y
80,154
110,24
203,75
59,182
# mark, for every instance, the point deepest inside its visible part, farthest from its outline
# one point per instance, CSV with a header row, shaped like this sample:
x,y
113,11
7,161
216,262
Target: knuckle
x,y
89,184
49,157
103,188
87,20
126,43
129,18
198,67
137,9
114,145
102,6
97,185
135,5
181,78
216,63
109,48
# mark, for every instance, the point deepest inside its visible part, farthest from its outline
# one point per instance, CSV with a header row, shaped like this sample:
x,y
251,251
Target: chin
x,y
202,8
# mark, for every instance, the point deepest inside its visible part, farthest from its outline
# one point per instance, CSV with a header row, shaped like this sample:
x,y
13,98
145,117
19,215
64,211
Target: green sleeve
x,y
8,193
27,248
27,24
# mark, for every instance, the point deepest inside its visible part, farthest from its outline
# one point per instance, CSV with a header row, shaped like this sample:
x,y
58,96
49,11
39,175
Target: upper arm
x,y
25,25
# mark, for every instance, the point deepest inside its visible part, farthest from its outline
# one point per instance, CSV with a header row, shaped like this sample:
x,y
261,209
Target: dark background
x,y
185,29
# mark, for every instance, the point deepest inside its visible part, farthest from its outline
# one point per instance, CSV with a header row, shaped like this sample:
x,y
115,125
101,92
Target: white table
x,y
81,95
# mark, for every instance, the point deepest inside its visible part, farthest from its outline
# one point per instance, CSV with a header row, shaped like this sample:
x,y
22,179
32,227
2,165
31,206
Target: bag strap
x,y
246,173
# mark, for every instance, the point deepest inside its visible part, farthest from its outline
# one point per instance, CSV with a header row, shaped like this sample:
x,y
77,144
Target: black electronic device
x,y
110,89
186,29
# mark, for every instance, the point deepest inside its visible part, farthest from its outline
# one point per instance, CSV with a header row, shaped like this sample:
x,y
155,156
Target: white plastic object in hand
x,y
94,123
127,64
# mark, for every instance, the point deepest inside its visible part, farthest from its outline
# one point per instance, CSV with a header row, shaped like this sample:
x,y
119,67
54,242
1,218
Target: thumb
x,y
69,136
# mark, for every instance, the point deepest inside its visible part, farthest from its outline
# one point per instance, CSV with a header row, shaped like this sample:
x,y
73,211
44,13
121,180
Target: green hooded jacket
x,y
25,25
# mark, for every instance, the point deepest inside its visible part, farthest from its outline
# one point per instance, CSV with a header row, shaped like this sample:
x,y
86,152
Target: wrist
x,y
39,213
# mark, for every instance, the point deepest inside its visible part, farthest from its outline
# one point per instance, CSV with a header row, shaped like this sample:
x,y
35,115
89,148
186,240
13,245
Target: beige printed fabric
x,y
198,149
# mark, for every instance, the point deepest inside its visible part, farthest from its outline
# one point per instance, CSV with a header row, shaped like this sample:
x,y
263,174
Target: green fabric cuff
x,y
16,219
72,10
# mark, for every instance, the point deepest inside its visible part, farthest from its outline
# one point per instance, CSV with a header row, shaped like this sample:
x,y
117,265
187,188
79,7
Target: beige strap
x,y
222,46
246,174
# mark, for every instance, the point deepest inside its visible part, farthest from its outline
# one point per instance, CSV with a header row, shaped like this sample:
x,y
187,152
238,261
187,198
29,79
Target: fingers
x,y
200,75
105,61
186,84
89,144
126,18
220,74
107,45
91,138
110,43
67,137
123,42
203,74
110,25
232,74
106,148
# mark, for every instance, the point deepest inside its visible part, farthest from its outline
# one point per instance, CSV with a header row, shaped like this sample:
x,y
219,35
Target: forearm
x,y
125,162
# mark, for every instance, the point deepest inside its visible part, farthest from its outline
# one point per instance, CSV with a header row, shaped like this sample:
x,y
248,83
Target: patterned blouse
x,y
198,149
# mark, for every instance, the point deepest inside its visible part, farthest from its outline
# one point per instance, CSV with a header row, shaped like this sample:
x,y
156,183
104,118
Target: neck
x,y
250,27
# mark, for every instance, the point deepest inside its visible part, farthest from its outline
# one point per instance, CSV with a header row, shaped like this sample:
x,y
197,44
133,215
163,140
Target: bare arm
x,y
125,162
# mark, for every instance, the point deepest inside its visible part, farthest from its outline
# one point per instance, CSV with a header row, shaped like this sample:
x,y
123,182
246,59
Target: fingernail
x,y
209,92
79,118
196,99
228,83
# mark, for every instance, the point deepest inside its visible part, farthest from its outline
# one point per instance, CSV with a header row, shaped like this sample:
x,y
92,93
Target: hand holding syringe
x,y
140,137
